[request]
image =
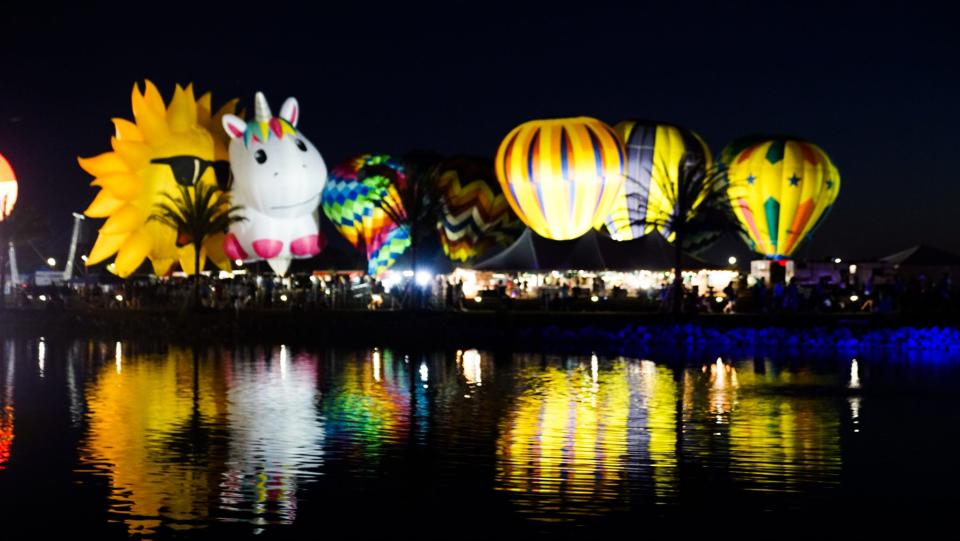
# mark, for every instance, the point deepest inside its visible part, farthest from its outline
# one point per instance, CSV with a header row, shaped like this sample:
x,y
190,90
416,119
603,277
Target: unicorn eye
x,y
260,156
301,145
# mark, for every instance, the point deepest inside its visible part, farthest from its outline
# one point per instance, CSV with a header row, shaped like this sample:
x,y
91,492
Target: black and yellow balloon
x,y
781,189
654,151
561,176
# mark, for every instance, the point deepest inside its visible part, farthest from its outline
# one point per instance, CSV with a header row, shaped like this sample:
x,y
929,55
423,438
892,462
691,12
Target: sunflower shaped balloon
x,y
165,145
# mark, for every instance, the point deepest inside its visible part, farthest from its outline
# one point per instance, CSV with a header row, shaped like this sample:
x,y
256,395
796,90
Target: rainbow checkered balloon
x,y
362,199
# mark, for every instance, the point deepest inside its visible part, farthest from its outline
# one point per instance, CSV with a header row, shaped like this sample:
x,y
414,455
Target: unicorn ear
x,y
290,111
234,126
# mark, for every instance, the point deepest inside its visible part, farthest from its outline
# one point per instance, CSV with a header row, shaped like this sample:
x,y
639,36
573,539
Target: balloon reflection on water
x,y
6,402
178,436
565,440
775,441
370,404
275,435
141,422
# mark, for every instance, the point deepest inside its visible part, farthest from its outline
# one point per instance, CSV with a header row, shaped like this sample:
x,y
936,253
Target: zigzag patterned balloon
x,y
474,214
362,200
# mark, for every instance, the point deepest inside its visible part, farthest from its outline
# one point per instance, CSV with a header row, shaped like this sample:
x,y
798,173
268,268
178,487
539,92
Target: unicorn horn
x,y
261,108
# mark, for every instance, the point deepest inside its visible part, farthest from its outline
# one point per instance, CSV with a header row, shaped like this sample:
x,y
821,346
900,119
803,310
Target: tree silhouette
x,y
197,213
691,213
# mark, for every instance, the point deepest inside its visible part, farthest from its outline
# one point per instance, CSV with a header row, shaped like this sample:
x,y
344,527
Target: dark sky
x,y
876,87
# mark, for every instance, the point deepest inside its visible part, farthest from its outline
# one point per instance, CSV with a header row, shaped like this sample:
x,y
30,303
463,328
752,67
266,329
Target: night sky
x,y
877,88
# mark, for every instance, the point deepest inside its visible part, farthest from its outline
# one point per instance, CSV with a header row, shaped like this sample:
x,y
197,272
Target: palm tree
x,y
417,206
22,226
695,210
200,212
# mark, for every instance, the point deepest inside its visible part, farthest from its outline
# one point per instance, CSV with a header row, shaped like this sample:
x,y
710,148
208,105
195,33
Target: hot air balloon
x,y
729,152
362,199
167,145
8,188
278,178
474,215
781,189
561,176
654,154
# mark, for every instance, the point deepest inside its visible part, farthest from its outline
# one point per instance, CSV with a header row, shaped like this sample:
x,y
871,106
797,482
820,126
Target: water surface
x,y
128,438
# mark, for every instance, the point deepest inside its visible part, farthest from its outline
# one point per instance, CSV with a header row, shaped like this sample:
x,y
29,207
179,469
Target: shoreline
x,y
500,330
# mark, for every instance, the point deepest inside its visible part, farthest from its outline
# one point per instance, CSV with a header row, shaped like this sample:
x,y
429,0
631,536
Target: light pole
x,y
68,272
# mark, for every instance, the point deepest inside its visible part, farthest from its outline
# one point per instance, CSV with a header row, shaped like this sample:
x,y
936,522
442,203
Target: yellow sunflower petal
x,y
182,113
221,141
106,246
152,123
214,247
126,130
104,164
186,259
132,253
204,110
124,186
135,154
128,218
104,204
161,266
153,98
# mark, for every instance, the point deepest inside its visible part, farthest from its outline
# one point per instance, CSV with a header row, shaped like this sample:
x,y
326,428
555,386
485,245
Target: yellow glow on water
x,y
565,440
776,440
127,414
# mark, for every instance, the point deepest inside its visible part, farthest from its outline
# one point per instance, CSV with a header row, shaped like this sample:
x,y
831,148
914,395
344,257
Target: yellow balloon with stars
x,y
781,190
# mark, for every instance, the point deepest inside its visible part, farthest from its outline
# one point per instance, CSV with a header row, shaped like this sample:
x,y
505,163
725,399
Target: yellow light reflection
x,y
779,441
565,442
133,416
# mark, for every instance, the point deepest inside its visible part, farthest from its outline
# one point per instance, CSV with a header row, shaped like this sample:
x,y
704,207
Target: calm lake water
x,y
126,438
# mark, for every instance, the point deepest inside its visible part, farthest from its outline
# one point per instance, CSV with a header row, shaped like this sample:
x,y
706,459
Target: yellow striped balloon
x,y
561,176
781,189
654,153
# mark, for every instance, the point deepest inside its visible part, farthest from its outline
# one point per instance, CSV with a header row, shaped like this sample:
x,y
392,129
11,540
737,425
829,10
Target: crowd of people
x,y
344,291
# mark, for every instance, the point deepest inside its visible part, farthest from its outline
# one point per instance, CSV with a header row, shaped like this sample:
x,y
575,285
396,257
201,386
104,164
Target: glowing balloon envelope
x,y
781,189
654,154
362,199
474,214
165,146
278,176
8,188
561,176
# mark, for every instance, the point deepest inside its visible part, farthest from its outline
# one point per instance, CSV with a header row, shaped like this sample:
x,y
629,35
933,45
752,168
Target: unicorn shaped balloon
x,y
278,176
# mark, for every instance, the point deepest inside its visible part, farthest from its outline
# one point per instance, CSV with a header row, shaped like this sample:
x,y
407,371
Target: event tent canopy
x,y
591,252
922,255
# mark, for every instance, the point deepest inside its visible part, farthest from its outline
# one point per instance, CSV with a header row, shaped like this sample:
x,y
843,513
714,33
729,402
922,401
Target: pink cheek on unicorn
x,y
267,248
233,249
307,246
